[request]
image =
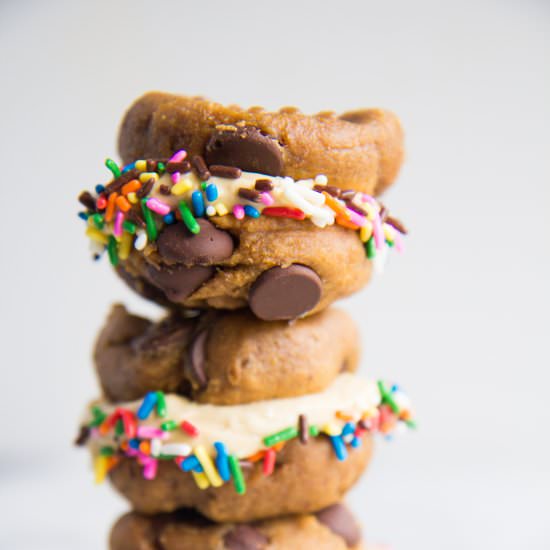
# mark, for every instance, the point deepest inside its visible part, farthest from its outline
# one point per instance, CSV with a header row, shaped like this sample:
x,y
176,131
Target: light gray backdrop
x,y
461,319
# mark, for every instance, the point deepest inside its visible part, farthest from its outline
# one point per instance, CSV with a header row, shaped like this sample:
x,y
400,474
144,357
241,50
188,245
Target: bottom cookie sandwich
x,y
333,528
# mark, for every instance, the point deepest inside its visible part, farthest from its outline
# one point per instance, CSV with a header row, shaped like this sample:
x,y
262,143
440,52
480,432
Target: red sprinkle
x,y
284,212
101,202
269,462
129,423
189,429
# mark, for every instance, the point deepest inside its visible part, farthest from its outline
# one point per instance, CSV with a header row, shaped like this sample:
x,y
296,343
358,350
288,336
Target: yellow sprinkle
x,y
208,466
141,165
201,480
389,233
221,209
144,177
331,429
132,197
365,232
370,413
100,468
126,242
96,235
181,187
369,208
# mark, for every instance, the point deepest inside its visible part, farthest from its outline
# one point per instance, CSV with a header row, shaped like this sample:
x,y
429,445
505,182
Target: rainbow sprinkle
x,y
142,197
216,466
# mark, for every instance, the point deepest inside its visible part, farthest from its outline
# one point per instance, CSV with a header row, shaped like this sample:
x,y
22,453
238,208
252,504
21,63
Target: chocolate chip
x,y
209,246
246,148
245,537
178,283
285,293
196,358
339,520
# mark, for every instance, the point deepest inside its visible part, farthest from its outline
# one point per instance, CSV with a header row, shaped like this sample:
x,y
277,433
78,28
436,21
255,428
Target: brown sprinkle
x,y
145,189
332,191
263,185
303,429
135,217
83,436
249,194
116,185
230,172
85,198
394,222
164,189
183,167
363,425
347,194
200,166
352,206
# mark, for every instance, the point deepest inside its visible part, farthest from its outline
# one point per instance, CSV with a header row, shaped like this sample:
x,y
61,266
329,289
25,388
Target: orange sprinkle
x,y
342,416
278,446
256,457
344,222
130,187
405,415
337,206
124,445
104,427
145,447
110,212
123,204
112,461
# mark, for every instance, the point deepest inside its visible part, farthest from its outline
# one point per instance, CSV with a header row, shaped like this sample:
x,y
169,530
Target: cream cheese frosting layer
x,y
243,428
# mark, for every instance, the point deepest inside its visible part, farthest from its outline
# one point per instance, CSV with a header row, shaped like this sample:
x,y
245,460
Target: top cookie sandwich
x,y
226,208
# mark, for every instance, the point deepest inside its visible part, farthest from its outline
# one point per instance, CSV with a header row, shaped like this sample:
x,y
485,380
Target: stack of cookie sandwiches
x,y
238,421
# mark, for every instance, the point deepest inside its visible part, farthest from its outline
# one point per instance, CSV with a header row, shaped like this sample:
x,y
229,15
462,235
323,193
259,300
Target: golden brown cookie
x,y
360,150
223,358
306,479
333,528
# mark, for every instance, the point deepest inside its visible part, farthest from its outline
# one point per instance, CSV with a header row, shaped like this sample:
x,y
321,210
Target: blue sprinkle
x,y
251,211
348,429
211,192
198,203
170,218
83,216
128,167
222,462
99,188
148,404
394,388
190,463
133,443
198,469
339,447
356,443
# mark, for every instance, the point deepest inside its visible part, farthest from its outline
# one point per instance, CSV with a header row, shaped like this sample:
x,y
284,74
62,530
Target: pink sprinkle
x,y
378,233
157,206
356,218
149,432
398,241
368,198
176,176
117,228
238,211
178,156
267,199
150,469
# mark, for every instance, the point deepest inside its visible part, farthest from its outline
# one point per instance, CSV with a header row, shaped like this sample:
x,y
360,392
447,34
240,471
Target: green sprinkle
x,y
161,167
161,404
387,397
188,218
370,247
119,427
314,431
150,225
112,250
113,167
204,185
99,417
98,220
411,424
284,435
129,226
390,243
237,474
106,451
169,425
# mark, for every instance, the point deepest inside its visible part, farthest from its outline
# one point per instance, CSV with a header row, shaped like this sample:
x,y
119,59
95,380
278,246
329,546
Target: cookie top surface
x,y
360,150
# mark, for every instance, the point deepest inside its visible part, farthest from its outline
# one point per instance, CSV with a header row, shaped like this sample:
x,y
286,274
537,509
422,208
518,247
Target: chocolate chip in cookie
x,y
284,293
179,282
339,520
211,245
245,147
245,537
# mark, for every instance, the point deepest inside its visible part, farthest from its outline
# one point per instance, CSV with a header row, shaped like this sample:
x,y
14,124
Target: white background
x,y
461,319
